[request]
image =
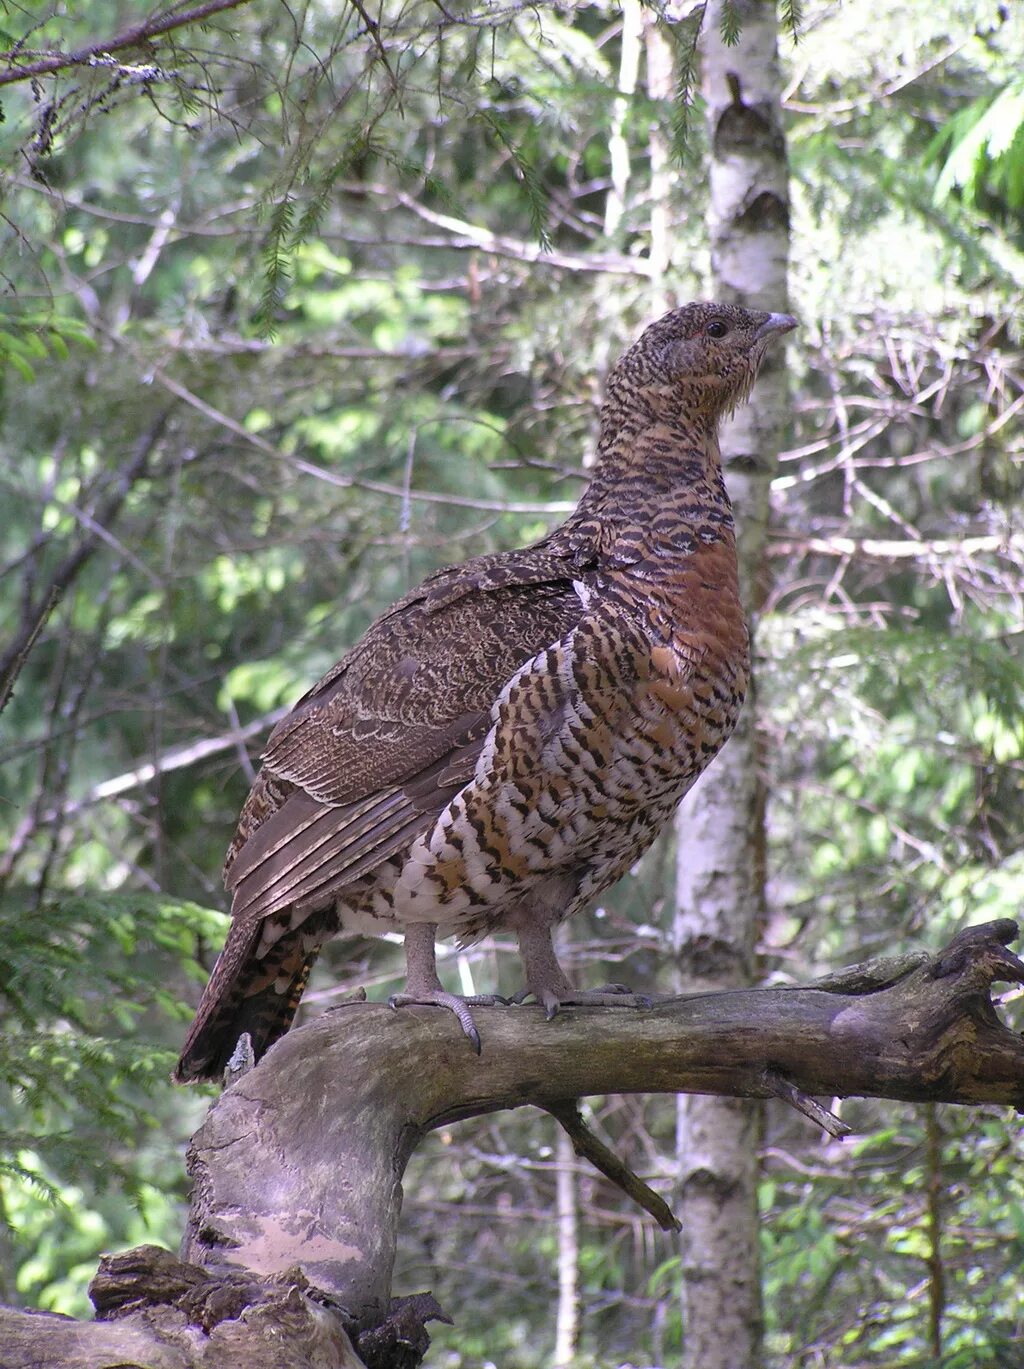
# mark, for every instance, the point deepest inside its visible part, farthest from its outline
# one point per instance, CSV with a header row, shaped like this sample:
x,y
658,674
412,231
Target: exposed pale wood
x,y
158,1313
806,1105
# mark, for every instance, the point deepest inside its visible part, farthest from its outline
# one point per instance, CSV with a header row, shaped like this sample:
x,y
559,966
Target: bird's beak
x,y
775,323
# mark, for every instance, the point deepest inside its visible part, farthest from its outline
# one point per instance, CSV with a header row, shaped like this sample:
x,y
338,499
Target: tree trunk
x,y
720,828
567,1320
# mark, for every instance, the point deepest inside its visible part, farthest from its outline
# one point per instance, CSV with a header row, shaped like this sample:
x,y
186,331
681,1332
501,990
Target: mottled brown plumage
x,y
505,741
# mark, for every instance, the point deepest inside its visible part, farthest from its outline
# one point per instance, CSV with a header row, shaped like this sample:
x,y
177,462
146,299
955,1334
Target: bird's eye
x,y
716,328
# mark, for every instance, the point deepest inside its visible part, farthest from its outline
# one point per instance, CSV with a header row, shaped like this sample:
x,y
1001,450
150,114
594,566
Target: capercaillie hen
x,y
507,739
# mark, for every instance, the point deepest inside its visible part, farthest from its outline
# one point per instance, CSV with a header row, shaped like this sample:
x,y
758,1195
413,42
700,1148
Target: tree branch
x,y
592,1148
133,37
38,610
157,375
472,235
298,1166
890,549
329,1195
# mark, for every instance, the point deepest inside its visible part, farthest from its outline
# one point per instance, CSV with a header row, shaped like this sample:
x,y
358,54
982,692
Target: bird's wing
x,y
377,749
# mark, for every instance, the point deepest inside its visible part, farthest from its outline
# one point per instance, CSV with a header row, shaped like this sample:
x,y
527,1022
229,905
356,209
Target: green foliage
x,y
526,172
31,338
685,42
729,23
880,1194
84,997
981,151
791,13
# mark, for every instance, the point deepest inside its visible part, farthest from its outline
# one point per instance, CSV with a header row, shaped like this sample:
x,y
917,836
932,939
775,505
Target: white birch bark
x,y
660,84
618,145
567,1324
720,836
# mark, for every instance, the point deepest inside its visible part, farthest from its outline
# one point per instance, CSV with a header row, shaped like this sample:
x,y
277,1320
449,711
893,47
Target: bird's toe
x,y
454,1004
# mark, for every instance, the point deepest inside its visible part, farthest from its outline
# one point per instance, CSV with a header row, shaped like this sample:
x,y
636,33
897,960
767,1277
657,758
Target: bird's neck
x,y
657,492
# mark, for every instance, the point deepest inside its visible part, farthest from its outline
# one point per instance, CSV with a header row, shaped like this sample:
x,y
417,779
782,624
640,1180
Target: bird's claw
x,y
459,1006
607,996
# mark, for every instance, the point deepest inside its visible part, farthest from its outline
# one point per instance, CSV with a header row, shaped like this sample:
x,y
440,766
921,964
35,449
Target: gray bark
x,y
298,1166
720,828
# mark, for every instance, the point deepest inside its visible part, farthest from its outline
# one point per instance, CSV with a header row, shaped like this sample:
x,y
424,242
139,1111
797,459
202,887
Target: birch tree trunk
x,y
720,832
567,1321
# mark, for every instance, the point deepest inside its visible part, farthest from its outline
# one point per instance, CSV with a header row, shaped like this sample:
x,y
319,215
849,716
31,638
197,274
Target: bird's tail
x,y
246,993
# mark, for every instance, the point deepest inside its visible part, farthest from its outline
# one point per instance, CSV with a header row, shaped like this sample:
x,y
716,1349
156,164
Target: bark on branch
x,y
298,1166
138,35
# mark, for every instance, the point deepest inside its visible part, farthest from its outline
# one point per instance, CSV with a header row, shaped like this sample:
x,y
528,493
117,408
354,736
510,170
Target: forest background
x,y
304,303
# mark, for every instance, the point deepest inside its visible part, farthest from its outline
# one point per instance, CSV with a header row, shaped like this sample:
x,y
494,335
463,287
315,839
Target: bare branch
x,y
592,1148
296,1268
176,758
465,234
42,605
806,1105
231,425
13,662
892,549
919,1029
92,55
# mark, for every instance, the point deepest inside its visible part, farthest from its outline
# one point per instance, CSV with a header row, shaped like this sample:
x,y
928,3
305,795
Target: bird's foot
x,y
607,996
438,998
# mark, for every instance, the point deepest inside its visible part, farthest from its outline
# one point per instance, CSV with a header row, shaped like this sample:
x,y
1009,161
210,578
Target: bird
x,y
507,739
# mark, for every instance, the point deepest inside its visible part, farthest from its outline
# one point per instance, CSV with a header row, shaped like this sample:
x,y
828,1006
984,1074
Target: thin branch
x,y
14,660
806,1105
133,37
37,612
553,507
590,1147
176,758
473,235
883,549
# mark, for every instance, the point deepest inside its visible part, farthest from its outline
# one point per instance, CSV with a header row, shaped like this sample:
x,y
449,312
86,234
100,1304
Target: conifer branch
x,y
94,53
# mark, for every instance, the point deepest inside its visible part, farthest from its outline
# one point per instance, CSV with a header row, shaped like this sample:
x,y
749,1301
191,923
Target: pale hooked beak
x,y
775,323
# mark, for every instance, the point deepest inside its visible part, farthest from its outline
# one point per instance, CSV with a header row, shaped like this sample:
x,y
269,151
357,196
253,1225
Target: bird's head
x,y
703,356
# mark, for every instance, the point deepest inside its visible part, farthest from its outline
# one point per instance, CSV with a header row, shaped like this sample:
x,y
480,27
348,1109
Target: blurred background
x,y
305,301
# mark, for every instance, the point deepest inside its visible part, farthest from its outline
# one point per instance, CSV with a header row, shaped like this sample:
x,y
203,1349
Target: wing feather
x,y
374,752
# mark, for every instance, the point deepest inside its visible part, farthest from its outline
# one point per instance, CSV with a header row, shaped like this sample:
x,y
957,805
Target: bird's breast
x,y
593,743
699,648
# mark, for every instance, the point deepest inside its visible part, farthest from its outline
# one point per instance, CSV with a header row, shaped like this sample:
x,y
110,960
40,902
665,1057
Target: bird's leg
x,y
546,980
424,989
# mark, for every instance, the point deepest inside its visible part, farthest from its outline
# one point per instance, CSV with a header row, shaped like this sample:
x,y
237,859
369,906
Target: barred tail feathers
x,y
246,993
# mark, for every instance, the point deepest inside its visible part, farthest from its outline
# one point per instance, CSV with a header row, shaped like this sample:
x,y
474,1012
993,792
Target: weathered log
x,y
298,1165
